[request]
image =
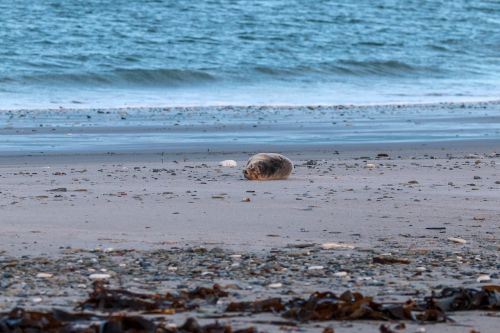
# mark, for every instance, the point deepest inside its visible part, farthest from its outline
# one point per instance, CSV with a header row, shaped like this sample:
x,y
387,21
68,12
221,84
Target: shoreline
x,y
197,130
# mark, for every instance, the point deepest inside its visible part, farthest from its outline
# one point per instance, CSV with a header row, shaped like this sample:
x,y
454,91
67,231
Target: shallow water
x,y
165,52
205,129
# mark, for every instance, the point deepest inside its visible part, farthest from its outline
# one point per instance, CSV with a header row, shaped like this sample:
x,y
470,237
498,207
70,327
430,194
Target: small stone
x,y
99,276
228,163
421,269
370,165
275,285
36,299
340,274
44,275
483,278
457,240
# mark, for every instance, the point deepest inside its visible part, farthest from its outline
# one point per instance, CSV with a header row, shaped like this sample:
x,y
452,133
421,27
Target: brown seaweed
x,y
109,300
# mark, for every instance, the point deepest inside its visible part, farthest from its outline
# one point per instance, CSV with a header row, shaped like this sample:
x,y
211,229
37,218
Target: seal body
x,y
268,166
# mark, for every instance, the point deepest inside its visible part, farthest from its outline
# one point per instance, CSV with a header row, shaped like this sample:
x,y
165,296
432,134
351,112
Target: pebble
x,y
99,276
44,275
370,165
483,278
457,240
228,163
275,285
336,246
36,299
340,274
312,268
421,269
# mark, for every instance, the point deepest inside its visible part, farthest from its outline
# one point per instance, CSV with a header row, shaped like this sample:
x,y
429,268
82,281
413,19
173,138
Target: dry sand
x,y
408,201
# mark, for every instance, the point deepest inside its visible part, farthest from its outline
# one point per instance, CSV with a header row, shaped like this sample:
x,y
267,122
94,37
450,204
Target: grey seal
x,y
268,166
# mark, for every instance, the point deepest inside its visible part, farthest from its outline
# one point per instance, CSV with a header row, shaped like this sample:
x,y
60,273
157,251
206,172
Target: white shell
x,y
99,276
483,278
457,240
312,268
336,246
44,275
228,163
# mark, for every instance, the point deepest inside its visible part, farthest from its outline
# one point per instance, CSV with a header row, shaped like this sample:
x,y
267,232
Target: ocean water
x,y
98,53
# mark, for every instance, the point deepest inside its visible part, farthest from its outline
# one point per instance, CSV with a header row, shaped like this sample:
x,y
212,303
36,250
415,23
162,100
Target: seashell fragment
x,y
336,246
228,163
457,240
99,276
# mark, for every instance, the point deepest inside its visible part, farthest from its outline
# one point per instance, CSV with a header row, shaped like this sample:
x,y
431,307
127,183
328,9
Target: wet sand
x,y
139,195
404,200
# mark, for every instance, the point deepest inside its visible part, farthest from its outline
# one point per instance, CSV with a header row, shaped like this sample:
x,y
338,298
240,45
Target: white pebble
x,y
172,268
336,246
44,275
457,240
228,163
421,269
36,299
340,274
483,278
312,268
370,165
235,256
275,285
98,276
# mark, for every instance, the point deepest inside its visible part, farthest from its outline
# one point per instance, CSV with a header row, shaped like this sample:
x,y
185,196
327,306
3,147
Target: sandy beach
x,y
436,205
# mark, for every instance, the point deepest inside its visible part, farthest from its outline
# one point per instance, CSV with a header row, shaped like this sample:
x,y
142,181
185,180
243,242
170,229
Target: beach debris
x,y
58,189
56,321
228,163
386,260
104,299
266,305
314,268
44,275
322,306
457,240
483,278
275,285
461,299
99,276
336,246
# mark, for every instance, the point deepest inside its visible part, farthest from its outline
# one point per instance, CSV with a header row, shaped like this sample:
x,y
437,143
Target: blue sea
x,y
96,53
